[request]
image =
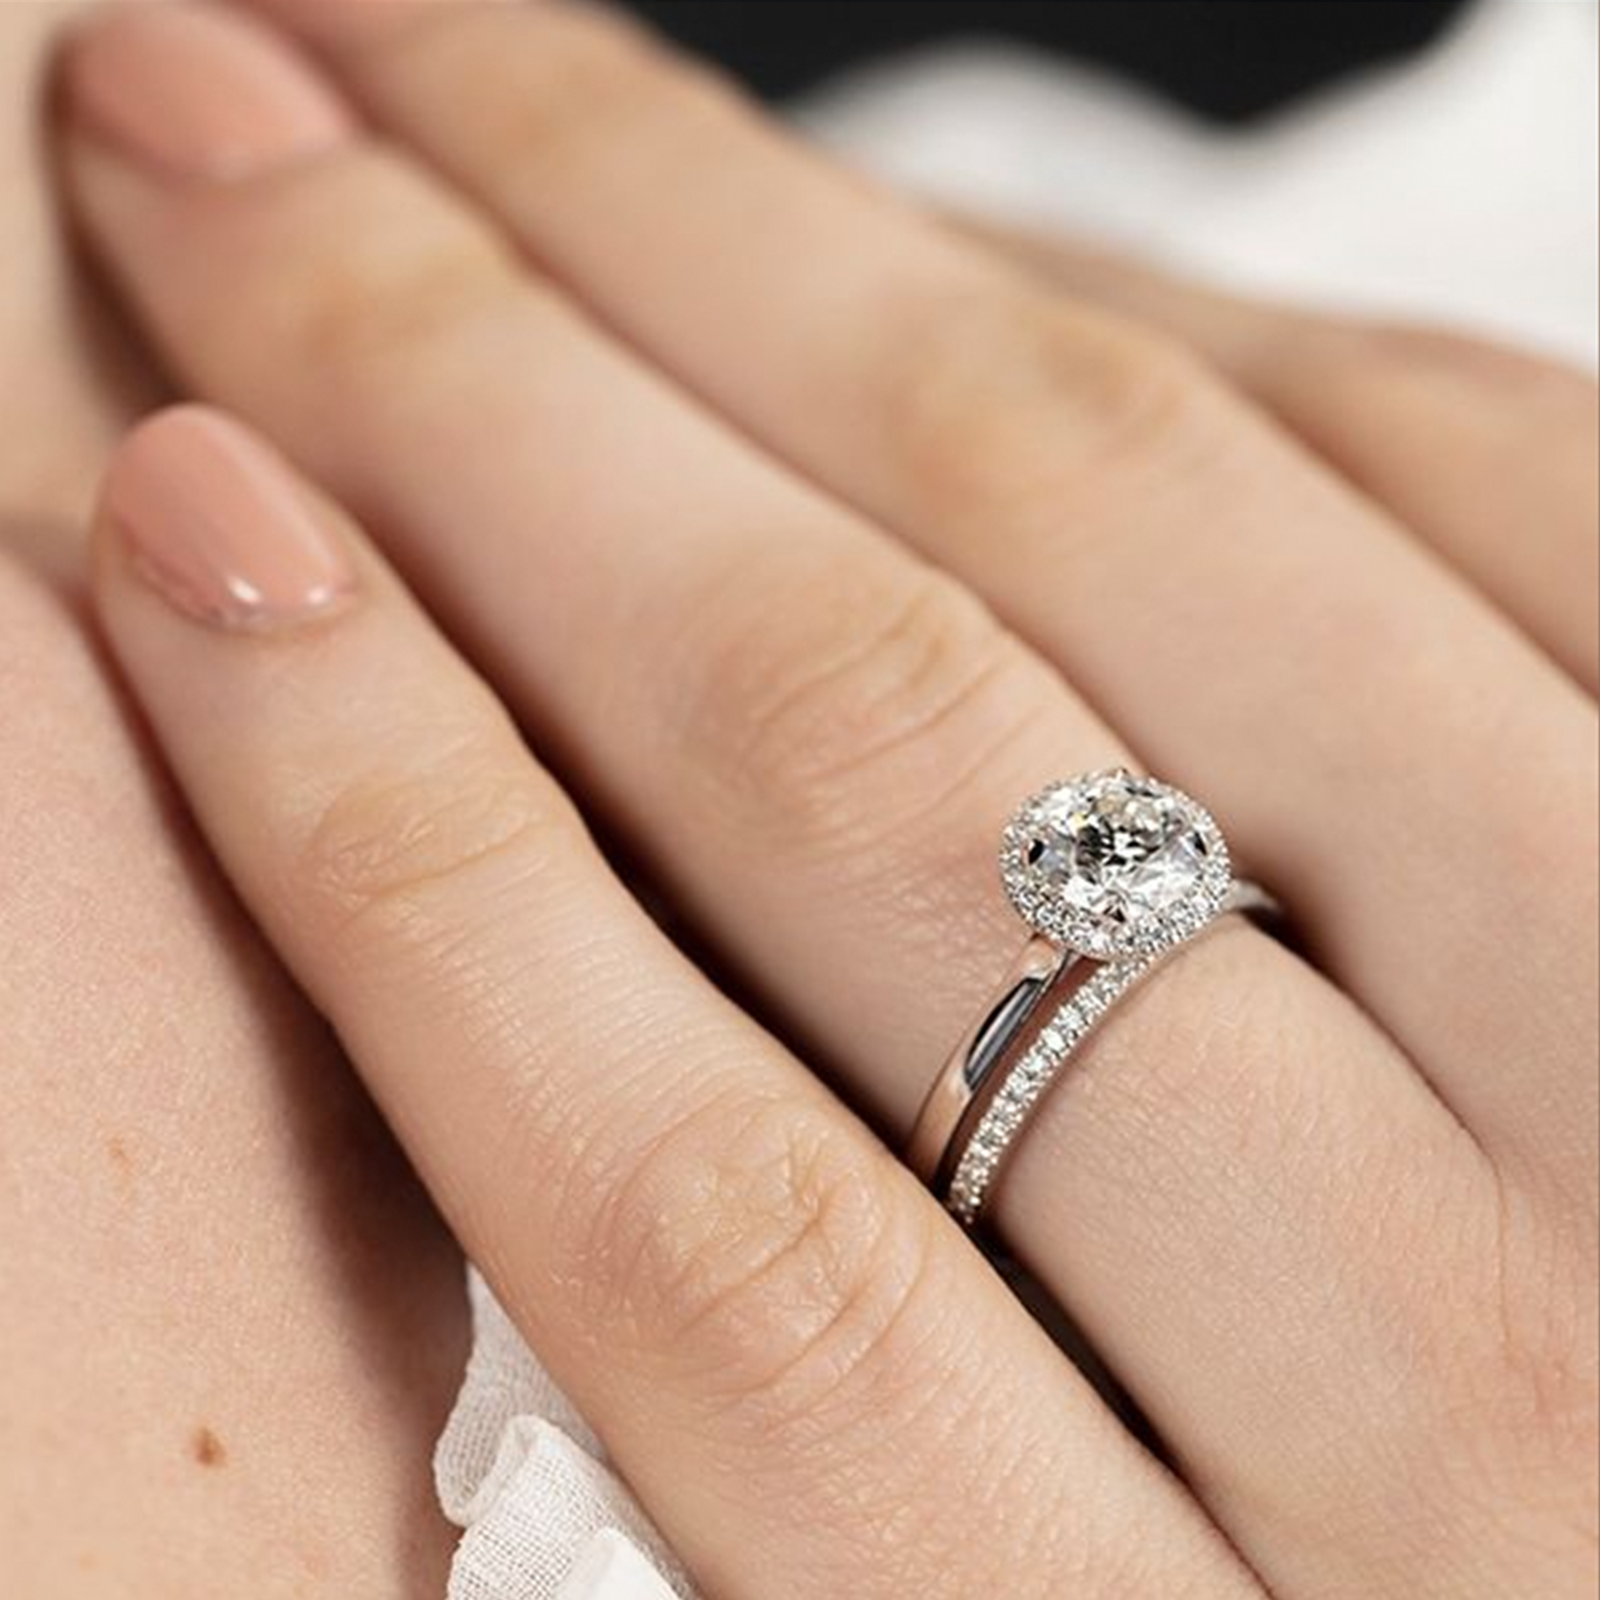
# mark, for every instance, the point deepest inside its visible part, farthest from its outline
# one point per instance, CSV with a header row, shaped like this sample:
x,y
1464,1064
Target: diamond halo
x,y
1114,865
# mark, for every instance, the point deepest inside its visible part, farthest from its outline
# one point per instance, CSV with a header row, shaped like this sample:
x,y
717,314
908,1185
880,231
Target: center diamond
x,y
1114,864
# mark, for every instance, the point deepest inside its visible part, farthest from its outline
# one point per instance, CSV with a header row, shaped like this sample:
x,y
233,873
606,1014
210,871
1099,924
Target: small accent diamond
x,y
1032,1075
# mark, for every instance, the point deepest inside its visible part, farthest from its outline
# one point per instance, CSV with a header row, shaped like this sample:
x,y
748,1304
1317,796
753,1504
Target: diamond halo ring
x,y
1112,872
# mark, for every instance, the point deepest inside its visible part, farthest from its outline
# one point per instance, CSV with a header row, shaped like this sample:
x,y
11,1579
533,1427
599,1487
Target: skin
x,y
199,1211
821,693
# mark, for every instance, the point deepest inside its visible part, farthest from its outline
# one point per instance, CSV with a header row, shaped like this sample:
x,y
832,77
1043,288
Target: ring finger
x,y
772,1326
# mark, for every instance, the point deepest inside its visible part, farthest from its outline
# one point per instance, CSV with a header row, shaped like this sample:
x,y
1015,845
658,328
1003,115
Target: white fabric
x,y
544,1517
1463,186
611,1568
1491,140
503,1382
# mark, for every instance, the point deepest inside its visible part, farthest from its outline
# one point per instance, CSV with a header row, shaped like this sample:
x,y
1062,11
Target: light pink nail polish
x,y
217,523
199,90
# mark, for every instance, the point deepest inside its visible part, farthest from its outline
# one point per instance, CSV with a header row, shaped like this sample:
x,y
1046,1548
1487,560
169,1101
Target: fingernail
x,y
218,525
199,91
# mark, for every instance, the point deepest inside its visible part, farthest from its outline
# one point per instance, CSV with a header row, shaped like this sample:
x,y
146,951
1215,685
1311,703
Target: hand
x,y
72,382
209,1373
843,538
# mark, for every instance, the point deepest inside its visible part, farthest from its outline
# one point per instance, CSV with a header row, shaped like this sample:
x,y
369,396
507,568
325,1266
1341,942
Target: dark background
x,y
1227,60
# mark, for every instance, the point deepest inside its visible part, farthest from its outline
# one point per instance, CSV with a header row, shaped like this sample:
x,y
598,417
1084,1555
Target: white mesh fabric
x,y
544,1517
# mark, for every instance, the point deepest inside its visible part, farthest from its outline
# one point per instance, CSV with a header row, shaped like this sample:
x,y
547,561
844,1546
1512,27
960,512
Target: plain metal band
x,y
963,1074
937,1149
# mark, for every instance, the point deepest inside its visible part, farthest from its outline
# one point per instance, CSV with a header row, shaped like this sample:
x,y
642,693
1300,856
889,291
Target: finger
x,y
770,1323
1062,464
814,743
1461,439
231,1320
66,366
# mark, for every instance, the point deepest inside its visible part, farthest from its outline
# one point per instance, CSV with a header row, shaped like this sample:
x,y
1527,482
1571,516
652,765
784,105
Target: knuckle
x,y
1000,401
848,709
761,1248
389,844
582,85
366,299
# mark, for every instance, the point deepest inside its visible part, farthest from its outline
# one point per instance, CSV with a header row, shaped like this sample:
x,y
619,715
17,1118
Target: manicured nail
x,y
199,91
216,523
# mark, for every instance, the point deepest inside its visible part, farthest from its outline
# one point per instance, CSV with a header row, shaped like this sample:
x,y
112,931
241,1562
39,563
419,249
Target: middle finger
x,y
1201,580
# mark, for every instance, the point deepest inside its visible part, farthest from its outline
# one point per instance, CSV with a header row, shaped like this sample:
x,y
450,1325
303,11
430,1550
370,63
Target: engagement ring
x,y
1113,872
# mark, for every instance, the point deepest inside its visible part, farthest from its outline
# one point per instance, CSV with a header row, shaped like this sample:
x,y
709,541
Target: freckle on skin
x,y
124,1169
207,1448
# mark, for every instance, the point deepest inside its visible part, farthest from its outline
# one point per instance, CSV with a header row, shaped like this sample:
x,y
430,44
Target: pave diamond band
x,y
1021,1086
1113,872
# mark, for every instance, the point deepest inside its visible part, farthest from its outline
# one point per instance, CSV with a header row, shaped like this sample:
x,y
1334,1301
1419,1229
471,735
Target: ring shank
x,y
960,1109
979,1052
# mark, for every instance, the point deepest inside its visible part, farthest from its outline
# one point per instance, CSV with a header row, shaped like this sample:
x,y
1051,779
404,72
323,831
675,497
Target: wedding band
x,y
1114,873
